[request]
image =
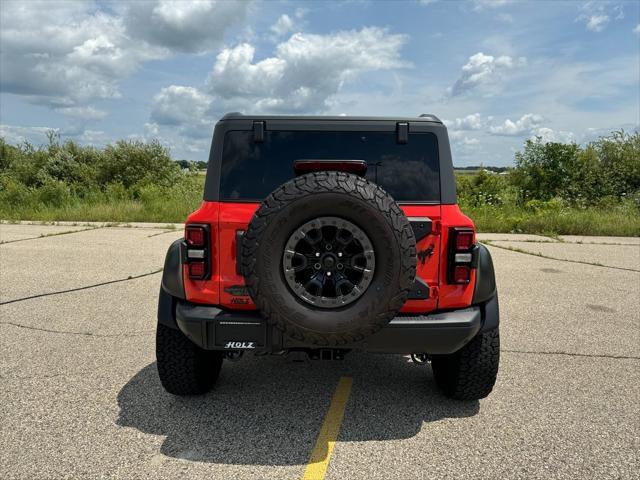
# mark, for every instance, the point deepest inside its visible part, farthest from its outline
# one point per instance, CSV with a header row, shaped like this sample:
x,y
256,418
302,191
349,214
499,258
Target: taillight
x,y
464,239
462,255
197,251
461,274
196,235
197,269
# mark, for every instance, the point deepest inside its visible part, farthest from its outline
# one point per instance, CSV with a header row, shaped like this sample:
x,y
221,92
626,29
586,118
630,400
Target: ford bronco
x,y
321,235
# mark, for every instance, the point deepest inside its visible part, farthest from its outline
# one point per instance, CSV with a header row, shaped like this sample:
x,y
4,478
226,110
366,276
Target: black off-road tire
x,y
351,198
470,373
183,367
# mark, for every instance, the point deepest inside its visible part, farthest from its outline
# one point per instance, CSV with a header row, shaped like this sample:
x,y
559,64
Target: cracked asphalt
x,y
79,395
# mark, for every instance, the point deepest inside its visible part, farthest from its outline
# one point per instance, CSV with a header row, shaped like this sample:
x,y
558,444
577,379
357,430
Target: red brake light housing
x,y
464,239
463,256
196,251
357,167
196,235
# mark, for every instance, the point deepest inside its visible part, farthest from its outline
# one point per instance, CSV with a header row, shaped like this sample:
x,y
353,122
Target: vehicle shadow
x,y
268,411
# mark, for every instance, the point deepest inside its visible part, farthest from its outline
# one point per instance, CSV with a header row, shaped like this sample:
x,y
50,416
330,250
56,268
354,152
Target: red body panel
x,y
233,217
226,219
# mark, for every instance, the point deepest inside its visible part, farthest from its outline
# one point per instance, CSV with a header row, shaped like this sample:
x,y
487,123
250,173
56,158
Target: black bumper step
x,y
214,329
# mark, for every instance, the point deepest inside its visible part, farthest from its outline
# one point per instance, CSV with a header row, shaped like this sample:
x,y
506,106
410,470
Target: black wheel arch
x,y
172,286
172,280
485,285
486,293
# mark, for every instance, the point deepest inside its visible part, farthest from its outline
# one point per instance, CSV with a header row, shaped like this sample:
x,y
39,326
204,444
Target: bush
x,y
482,189
54,194
133,162
607,167
13,194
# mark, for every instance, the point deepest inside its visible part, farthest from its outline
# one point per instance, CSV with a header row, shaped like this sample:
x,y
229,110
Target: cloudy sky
x,y
497,71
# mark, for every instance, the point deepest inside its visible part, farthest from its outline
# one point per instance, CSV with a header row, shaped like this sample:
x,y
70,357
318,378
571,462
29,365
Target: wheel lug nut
x,y
340,254
317,254
339,266
328,274
317,266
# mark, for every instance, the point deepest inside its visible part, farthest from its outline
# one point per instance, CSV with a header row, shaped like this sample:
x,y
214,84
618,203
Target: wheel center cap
x,y
328,262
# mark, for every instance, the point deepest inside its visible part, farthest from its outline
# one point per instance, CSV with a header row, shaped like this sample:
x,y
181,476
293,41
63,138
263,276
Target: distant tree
x,y
607,168
542,168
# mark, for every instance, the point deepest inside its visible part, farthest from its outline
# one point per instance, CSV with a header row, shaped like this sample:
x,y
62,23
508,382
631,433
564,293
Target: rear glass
x,y
409,172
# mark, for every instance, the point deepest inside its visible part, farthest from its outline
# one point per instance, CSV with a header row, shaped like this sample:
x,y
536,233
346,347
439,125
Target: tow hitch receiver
x,y
304,354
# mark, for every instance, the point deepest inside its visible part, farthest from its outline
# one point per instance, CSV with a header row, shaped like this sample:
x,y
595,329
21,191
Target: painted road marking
x,y
321,454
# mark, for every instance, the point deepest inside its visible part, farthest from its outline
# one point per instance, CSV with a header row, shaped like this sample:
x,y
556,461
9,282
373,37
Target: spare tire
x,y
329,258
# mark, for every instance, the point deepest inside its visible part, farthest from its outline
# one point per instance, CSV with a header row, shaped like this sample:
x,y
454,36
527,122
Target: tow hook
x,y
420,358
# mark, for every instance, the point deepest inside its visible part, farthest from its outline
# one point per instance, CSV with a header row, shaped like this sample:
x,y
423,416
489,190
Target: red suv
x,y
320,235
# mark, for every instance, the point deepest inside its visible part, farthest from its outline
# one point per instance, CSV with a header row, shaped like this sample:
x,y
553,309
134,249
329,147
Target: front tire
x,y
470,373
183,367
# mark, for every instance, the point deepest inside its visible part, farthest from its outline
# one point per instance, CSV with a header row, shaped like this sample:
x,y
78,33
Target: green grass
x,y
621,221
115,211
160,205
165,208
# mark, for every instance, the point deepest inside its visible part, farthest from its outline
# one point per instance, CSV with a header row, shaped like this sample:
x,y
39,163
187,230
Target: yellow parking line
x,y
321,454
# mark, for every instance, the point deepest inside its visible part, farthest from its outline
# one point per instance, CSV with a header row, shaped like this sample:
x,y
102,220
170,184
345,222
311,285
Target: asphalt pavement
x,y
80,397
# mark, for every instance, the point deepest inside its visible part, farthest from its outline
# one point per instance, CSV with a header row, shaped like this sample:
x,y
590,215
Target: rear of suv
x,y
322,235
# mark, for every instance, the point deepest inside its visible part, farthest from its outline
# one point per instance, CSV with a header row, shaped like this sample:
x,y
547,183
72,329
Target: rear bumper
x,y
438,333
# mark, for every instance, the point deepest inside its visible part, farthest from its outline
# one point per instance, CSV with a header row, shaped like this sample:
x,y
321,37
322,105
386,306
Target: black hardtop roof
x,y
425,117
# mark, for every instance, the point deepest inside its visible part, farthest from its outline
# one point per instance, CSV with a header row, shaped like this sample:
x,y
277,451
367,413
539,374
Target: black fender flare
x,y
485,286
172,286
172,281
485,293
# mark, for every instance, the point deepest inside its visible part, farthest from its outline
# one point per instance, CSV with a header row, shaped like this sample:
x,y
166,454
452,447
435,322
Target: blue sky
x,y
497,71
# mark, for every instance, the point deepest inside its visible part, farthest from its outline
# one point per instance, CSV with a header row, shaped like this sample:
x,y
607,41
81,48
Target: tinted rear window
x,y
250,171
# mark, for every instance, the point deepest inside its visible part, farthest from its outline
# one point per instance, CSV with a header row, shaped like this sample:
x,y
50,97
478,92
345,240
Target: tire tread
x,y
313,184
183,367
470,373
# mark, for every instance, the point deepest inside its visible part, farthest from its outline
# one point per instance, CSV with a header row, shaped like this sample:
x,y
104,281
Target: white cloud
x,y
458,137
283,25
470,122
182,26
152,129
16,134
596,15
548,135
87,113
305,71
526,124
637,29
596,23
484,72
66,55
94,137
63,55
186,108
484,4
